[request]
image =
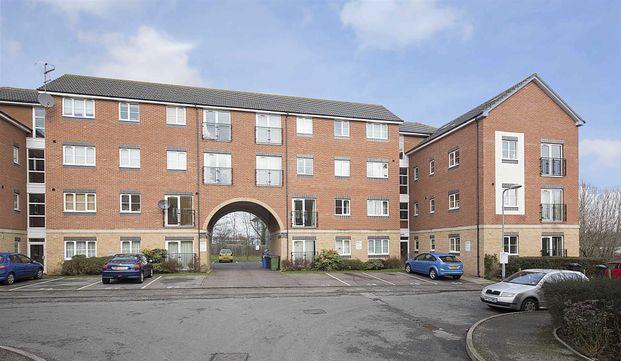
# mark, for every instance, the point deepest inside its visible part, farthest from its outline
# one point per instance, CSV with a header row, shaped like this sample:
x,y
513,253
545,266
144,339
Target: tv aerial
x,y
45,99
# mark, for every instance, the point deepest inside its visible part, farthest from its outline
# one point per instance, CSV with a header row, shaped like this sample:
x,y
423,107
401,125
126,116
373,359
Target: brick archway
x,y
250,205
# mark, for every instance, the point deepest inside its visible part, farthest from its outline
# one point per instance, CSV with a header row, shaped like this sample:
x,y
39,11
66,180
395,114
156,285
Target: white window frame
x,y
272,163
416,209
506,246
179,116
36,116
178,197
510,154
15,154
343,250
455,244
73,148
181,161
344,128
304,162
510,200
377,131
339,166
75,194
416,244
432,205
35,161
407,210
415,171
221,119
129,112
304,126
86,248
131,246
432,242
453,201
71,114
272,121
384,247
372,207
130,202
432,167
377,169
343,201
454,158
218,161
16,201
130,152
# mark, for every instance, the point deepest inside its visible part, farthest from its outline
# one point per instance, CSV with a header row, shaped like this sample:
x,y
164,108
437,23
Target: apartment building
x,y
517,151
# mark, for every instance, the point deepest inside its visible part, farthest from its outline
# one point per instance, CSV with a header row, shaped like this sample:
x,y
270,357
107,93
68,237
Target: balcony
x,y
555,252
269,177
218,175
303,219
217,131
553,212
179,217
268,135
185,261
303,258
552,167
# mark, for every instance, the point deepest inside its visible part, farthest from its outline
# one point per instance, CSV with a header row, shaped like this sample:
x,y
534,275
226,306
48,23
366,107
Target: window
x,y
552,209
268,130
432,242
130,246
415,173
454,244
176,160
341,167
16,244
218,168
180,211
217,125
454,158
401,147
305,166
304,126
15,154
432,167
341,128
552,246
269,171
130,203
510,199
552,162
377,208
79,155
129,158
36,210
377,169
509,149
343,246
416,209
416,244
80,108
510,245
403,181
36,166
432,205
38,123
403,211
175,115
378,247
304,214
454,201
342,207
377,131
129,112
15,201
80,248
80,202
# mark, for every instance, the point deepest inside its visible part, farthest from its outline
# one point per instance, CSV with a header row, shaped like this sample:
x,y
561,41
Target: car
x,y
225,255
435,265
126,266
16,266
522,290
613,270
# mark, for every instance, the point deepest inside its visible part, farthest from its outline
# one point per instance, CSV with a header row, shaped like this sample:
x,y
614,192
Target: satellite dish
x,y
46,100
163,204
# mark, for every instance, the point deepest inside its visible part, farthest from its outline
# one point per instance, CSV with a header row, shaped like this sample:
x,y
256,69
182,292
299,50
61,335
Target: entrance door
x,y
404,250
36,253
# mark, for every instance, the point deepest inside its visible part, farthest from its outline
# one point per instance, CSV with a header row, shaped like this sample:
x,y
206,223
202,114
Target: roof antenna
x,y
46,100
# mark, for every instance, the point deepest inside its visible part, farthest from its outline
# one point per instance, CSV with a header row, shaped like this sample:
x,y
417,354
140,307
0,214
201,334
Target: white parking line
x,y
338,279
377,278
148,284
418,278
87,286
34,284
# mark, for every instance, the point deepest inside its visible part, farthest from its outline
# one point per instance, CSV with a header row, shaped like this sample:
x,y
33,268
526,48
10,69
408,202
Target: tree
x,y
600,221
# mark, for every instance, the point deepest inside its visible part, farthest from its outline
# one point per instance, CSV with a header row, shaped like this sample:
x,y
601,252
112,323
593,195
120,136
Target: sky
x,y
426,61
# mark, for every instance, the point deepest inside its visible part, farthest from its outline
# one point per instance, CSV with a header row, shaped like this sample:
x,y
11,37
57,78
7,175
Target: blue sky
x,y
427,61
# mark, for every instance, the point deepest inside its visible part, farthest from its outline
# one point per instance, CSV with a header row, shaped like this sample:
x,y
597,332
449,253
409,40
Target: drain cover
x,y
229,357
314,311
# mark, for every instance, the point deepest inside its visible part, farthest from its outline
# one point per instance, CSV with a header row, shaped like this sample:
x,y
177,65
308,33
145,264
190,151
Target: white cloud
x,y
13,48
604,152
148,55
399,23
73,8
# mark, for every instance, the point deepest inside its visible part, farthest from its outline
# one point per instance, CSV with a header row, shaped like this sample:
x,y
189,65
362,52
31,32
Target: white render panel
x,y
510,173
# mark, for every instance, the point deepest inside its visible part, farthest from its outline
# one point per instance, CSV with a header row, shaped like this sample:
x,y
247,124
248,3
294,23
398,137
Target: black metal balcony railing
x,y
185,260
304,219
553,212
180,217
554,252
269,177
217,131
268,135
552,167
306,257
218,175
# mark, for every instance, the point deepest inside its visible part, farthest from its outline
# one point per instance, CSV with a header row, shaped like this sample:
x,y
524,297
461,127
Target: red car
x,y
614,270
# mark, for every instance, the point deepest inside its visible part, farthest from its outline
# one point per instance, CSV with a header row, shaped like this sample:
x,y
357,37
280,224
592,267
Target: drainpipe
x,y
478,193
287,180
198,185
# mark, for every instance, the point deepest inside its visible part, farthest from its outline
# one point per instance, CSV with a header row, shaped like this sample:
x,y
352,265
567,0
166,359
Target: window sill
x,y
377,140
175,226
378,255
269,185
129,122
78,166
342,177
453,210
453,167
305,175
342,216
370,216
176,125
177,170
378,178
510,161
70,213
345,255
342,137
218,140
129,168
69,117
552,176
130,213
261,143
305,135
218,184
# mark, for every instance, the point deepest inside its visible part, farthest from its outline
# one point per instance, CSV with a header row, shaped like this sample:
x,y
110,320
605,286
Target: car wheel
x,y
10,279
456,277
141,279
105,281
433,274
529,305
408,269
39,274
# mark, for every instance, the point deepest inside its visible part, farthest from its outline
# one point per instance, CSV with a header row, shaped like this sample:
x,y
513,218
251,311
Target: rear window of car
x,y
226,251
125,259
525,278
450,259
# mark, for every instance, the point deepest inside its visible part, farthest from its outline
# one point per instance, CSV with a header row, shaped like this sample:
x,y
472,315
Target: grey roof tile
x,y
19,95
416,127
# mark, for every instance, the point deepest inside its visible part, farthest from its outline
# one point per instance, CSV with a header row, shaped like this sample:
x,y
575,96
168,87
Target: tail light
x,y
105,266
136,266
3,266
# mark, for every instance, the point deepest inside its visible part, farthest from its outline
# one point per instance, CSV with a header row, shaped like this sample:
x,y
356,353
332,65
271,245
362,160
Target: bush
x,y
393,263
589,315
353,264
328,260
156,255
296,265
82,265
493,268
374,264
166,267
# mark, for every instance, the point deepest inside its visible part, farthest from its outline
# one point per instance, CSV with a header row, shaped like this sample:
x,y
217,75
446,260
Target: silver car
x,y
522,290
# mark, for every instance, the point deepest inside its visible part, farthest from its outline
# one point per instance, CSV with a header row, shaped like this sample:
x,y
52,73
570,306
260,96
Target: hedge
x,y
82,265
516,263
329,260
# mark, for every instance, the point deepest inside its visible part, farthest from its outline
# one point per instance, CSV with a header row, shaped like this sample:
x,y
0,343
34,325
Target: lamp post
x,y
502,239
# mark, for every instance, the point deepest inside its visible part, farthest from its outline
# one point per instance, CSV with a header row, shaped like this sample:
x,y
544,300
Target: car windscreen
x,y
1,259
525,278
124,259
450,259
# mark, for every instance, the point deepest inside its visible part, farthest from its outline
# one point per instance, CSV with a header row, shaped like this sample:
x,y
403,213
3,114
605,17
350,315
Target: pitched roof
x,y
18,95
128,89
416,127
489,105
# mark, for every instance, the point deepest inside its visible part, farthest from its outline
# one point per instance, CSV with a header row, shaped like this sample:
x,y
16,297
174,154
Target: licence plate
x,y
119,268
453,267
490,299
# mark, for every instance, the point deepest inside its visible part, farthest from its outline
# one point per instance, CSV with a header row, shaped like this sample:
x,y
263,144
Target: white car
x,y
522,290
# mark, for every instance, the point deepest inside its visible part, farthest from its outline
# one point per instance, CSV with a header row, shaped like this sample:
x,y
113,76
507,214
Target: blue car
x,y
15,266
126,266
435,265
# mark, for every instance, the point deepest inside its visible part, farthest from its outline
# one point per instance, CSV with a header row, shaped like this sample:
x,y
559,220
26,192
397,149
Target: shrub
x,y
353,264
295,265
374,264
492,267
327,260
519,263
393,263
166,266
156,255
82,265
